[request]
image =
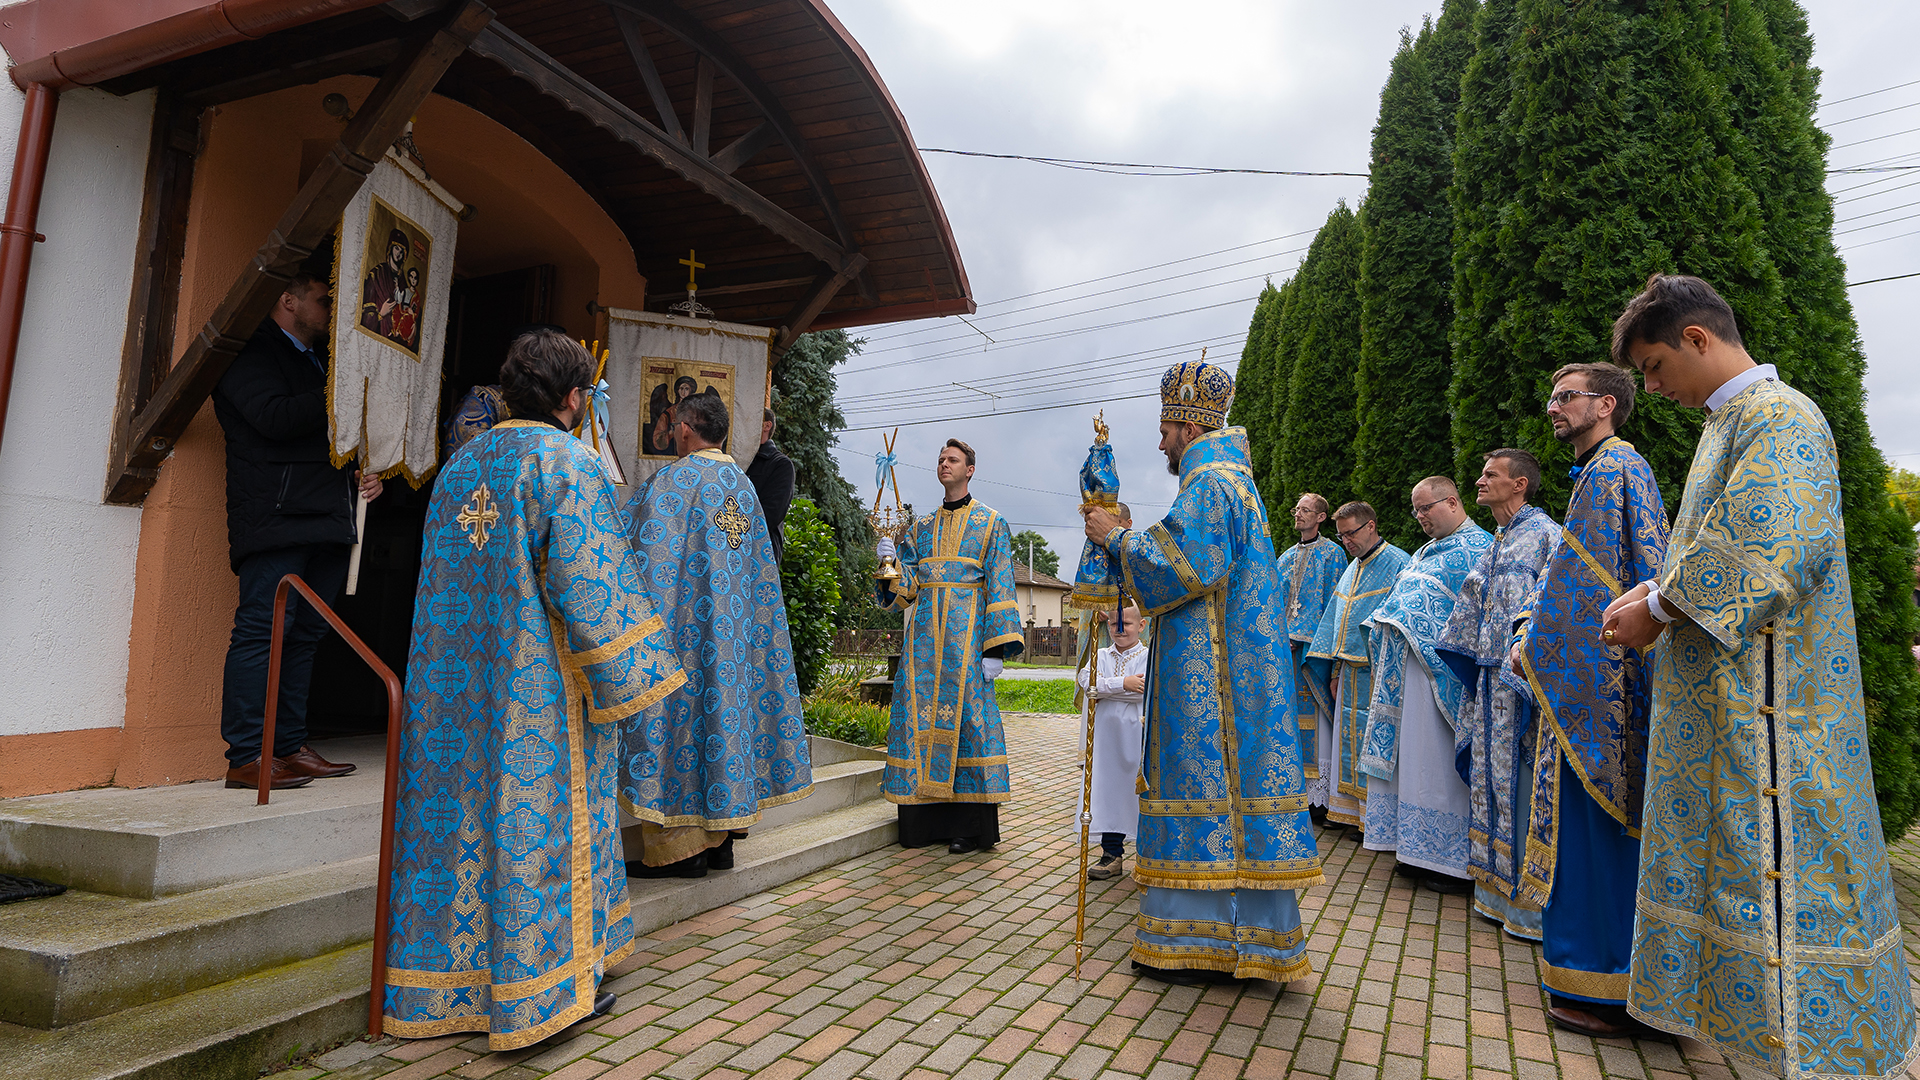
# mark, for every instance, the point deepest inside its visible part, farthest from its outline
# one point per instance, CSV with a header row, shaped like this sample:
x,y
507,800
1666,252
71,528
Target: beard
x,y
1574,431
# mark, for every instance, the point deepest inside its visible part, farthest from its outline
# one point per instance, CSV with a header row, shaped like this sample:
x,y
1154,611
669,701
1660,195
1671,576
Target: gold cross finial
x,y
478,517
692,263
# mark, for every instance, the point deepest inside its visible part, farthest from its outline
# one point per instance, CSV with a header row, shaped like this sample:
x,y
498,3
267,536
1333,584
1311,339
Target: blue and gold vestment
x,y
532,638
1767,923
944,740
1309,572
1414,805
1224,836
1339,672
1496,714
1582,851
732,741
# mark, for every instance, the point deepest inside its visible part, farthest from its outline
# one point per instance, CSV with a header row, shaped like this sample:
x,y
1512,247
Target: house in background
x,y
1042,597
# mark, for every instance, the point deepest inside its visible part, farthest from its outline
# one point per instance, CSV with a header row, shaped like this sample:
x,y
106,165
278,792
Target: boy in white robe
x,y
1117,698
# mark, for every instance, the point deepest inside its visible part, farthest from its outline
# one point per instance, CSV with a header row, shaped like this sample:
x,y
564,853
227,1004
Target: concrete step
x,y
836,786
833,752
163,841
765,859
229,1031
80,955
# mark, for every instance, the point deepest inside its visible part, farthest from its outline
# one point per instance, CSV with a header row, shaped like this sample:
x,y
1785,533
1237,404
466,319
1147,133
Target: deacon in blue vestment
x,y
1497,716
733,739
1338,665
946,752
532,639
1309,570
1582,857
1225,841
1417,805
1767,924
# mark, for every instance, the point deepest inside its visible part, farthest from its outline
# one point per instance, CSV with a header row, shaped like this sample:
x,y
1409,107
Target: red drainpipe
x,y
17,235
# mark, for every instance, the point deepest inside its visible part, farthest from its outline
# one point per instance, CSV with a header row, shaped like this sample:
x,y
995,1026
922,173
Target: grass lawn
x,y
1035,695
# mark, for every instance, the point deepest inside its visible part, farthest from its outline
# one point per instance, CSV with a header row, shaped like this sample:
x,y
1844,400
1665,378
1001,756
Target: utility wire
x,y
1157,351
1065,375
1054,335
1863,116
1868,94
1114,166
1876,138
1878,280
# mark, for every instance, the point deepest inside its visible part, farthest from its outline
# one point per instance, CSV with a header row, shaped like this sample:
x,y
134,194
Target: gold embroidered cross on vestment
x,y
478,517
732,522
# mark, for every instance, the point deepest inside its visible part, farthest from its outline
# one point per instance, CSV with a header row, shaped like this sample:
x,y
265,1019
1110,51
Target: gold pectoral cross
x,y
732,522
478,517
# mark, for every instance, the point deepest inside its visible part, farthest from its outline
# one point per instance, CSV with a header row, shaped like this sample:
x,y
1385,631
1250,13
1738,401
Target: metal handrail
x,y
377,998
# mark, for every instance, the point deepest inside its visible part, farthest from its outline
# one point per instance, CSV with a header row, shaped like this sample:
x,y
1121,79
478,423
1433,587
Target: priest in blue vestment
x,y
1767,923
1309,570
1225,841
1582,857
532,640
1417,805
1338,665
731,743
946,752
1496,726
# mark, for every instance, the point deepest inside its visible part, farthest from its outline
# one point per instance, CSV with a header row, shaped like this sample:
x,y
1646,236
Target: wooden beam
x,y
702,107
314,213
826,287
741,150
733,290
649,74
554,79
301,72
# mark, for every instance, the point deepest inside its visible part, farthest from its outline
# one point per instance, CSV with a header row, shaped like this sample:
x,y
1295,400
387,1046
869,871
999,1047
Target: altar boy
x,y
1117,696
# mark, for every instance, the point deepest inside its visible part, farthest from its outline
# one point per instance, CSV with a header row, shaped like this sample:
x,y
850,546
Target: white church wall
x,y
67,559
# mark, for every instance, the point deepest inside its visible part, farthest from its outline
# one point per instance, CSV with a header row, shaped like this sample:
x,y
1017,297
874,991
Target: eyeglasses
x,y
1563,397
1345,534
1424,507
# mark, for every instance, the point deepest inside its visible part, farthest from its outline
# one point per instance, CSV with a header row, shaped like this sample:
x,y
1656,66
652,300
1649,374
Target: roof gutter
x,y
90,43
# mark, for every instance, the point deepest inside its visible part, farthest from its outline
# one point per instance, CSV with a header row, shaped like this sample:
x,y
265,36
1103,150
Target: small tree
x,y
1043,558
1904,486
810,580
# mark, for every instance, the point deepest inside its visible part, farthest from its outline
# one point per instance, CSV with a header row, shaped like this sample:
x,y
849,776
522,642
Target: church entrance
x,y
347,698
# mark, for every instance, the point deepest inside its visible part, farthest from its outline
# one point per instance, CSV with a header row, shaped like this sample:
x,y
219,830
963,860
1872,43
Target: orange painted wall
x,y
529,212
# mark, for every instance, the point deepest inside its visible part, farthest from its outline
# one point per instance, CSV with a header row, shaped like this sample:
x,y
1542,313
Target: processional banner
x,y
392,267
657,360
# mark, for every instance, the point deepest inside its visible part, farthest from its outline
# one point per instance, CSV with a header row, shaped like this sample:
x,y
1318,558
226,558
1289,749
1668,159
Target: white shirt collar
x,y
1738,383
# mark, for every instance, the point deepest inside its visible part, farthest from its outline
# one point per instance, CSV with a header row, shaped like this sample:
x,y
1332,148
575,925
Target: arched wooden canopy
x,y
755,132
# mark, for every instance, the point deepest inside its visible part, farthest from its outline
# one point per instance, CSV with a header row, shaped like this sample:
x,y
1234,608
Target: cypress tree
x,y
1317,454
1283,336
1447,51
1251,387
1405,306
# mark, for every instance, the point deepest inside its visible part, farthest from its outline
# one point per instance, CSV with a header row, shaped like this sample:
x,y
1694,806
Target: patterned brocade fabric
x,y
1340,651
531,636
731,742
1224,805
1415,614
479,411
1593,698
1766,920
1308,574
944,740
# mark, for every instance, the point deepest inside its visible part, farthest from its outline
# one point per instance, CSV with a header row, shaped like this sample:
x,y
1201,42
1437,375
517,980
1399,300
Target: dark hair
x,y
542,368
1356,510
766,416
689,382
1605,379
706,414
1669,304
299,283
1520,463
962,447
1122,511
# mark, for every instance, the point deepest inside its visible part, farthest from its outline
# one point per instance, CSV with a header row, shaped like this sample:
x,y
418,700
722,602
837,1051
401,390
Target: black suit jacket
x,y
772,475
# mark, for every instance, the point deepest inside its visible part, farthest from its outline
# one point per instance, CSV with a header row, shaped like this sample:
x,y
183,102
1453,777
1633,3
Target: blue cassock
x,y
532,638
1419,819
1339,671
1582,855
732,741
1224,835
944,740
1496,716
1767,923
1308,572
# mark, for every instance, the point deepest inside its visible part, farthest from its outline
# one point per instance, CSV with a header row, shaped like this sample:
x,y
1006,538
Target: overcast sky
x,y
1288,85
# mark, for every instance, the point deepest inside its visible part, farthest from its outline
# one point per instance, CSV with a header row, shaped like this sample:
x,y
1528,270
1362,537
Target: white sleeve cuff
x,y
1653,604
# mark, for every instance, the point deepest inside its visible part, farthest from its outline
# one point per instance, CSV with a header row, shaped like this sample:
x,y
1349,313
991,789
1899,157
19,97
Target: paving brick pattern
x,y
914,965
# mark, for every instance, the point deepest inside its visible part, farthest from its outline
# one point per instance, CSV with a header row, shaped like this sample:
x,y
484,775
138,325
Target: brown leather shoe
x,y
304,762
248,776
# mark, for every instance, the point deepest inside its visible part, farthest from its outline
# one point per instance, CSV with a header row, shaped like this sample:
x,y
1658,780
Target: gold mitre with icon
x,y
1194,390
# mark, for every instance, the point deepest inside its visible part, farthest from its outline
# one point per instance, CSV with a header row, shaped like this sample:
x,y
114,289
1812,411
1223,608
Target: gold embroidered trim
x,y
1002,639
1004,605
979,762
961,559
1592,984
621,644
652,695
964,797
1283,804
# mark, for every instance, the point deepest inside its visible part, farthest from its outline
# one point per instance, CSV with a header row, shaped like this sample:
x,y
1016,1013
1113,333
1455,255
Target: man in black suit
x,y
289,511
771,473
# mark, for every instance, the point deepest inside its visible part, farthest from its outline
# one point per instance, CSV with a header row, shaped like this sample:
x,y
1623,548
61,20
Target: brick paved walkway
x,y
918,965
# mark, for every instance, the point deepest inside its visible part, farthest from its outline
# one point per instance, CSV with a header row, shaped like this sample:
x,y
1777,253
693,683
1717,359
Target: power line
x,y
1876,138
1054,374
1878,280
1882,240
1877,213
1054,335
1114,166
1863,116
1002,483
1868,94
